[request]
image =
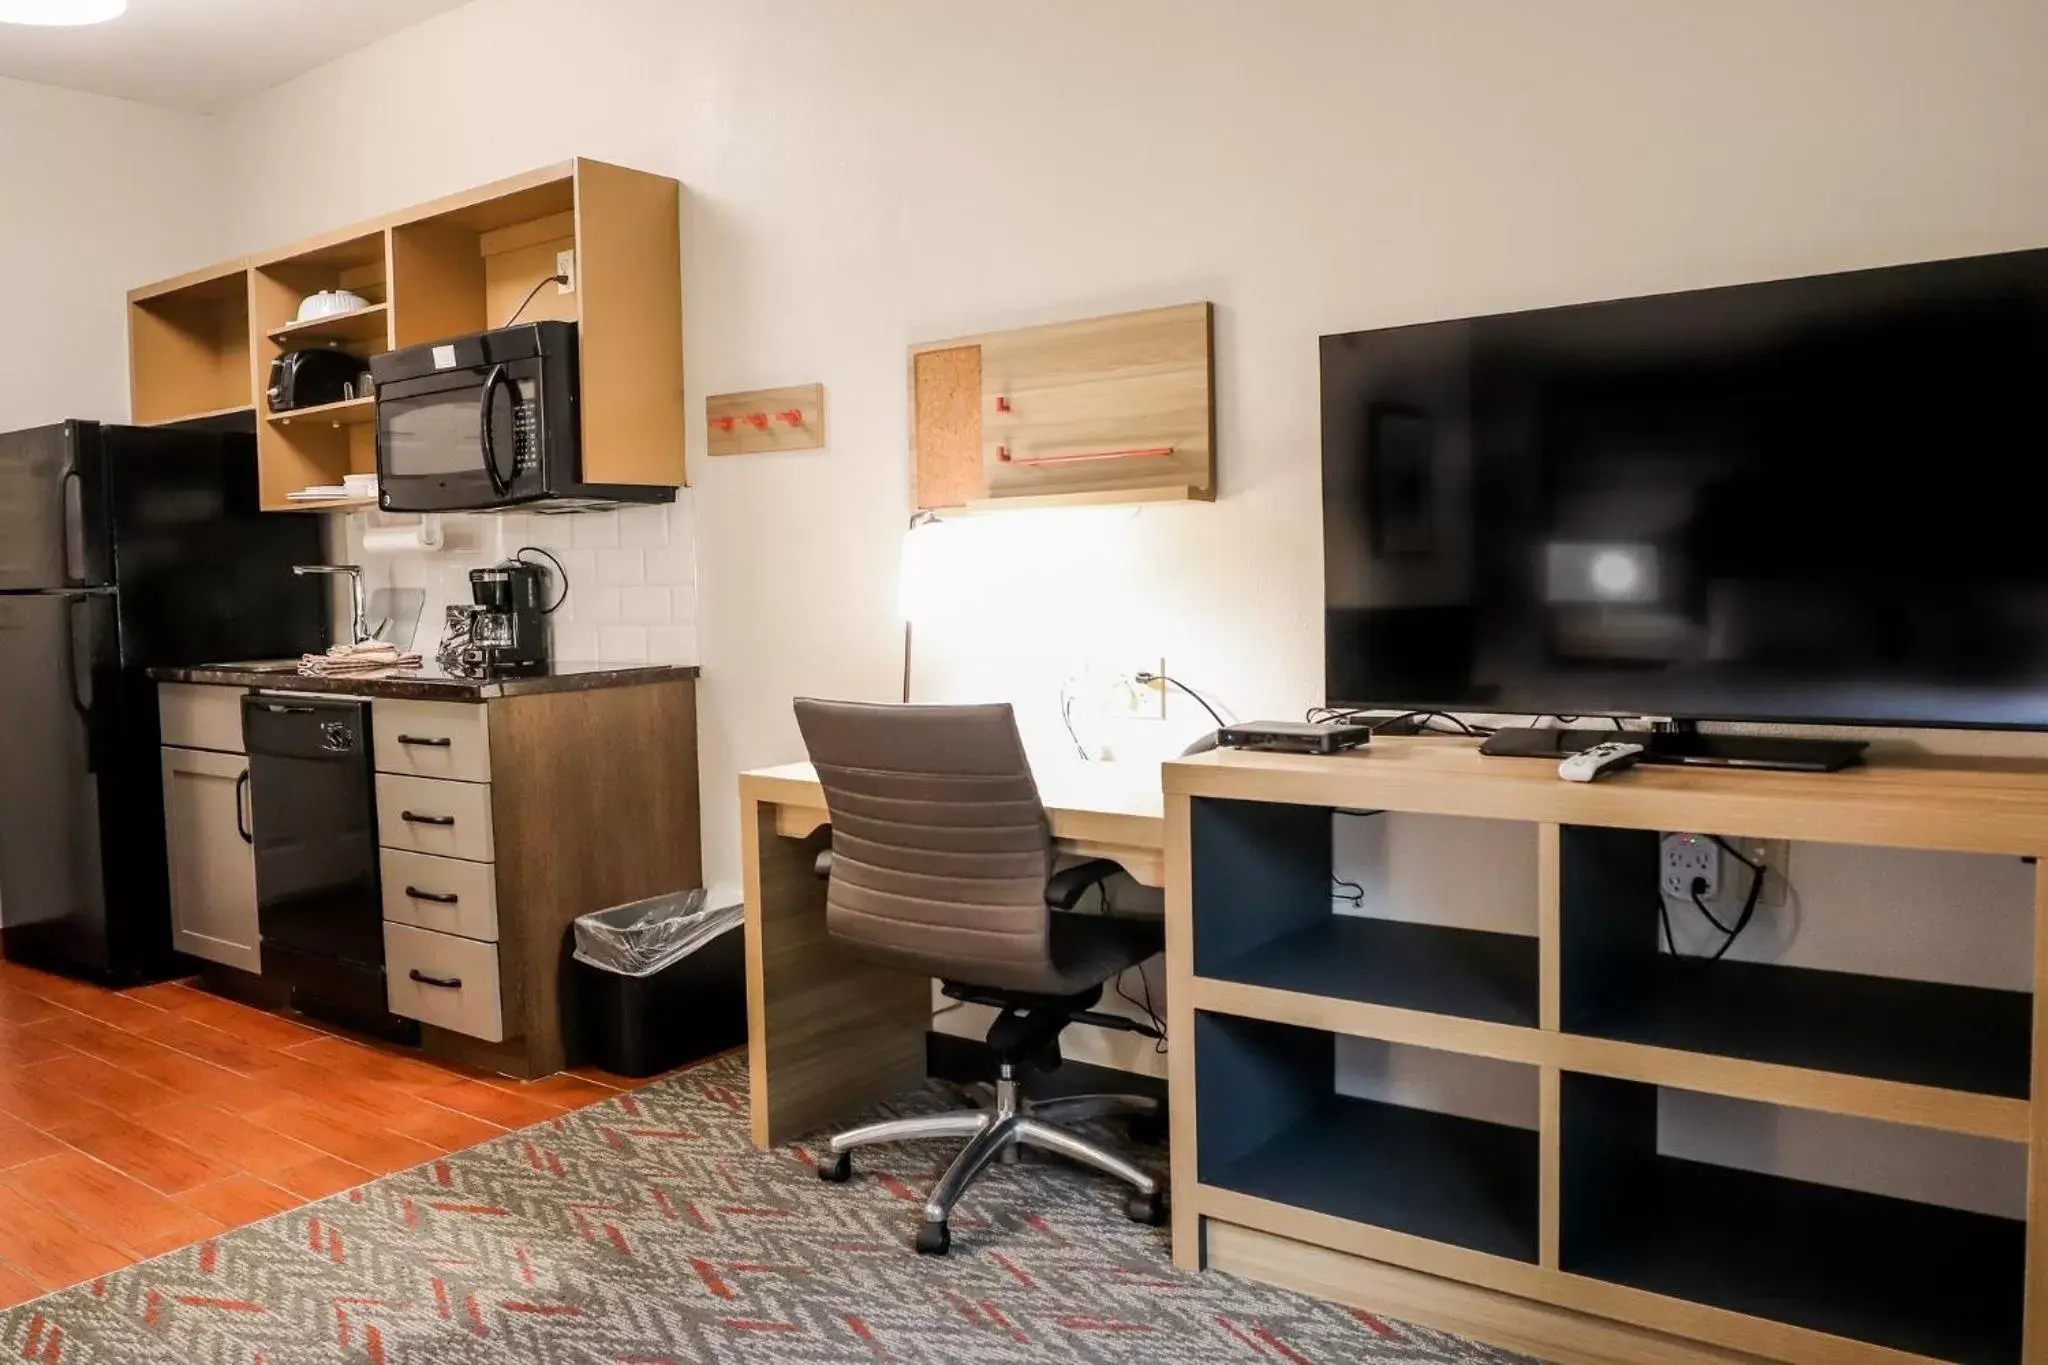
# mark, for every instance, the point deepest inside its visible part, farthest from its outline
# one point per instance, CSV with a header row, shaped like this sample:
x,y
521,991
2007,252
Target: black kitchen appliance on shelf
x,y
121,549
489,420
312,793
308,379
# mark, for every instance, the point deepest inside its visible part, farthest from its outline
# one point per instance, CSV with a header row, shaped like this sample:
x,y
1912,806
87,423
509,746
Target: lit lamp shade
x,y
935,581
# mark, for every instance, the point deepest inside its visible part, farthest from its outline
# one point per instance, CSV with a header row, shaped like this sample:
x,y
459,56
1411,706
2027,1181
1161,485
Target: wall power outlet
x,y
565,266
1690,859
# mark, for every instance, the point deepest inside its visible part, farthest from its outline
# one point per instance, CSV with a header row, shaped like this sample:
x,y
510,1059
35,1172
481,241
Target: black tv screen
x,y
1820,500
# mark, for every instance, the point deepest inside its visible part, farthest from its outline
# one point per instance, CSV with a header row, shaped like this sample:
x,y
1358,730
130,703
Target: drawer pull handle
x,y
445,821
446,983
436,897
427,741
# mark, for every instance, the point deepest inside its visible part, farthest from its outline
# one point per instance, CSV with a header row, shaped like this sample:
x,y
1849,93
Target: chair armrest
x,y
1065,887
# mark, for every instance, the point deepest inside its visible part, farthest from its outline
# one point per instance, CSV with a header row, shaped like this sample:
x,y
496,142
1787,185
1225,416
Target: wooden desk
x,y
829,1035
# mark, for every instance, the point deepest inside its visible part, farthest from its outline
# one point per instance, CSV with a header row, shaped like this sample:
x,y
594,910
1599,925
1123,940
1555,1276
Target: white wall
x,y
864,176
861,177
97,195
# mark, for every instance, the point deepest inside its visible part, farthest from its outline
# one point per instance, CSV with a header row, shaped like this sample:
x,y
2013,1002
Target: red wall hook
x,y
1002,403
793,417
722,423
758,420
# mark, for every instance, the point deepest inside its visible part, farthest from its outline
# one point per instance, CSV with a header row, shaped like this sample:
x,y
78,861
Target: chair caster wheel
x,y
837,1170
1149,1209
933,1239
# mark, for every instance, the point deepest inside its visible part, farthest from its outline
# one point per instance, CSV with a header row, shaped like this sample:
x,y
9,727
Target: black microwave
x,y
483,421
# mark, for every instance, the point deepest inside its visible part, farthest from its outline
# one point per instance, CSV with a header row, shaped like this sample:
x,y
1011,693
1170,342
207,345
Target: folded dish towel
x,y
372,656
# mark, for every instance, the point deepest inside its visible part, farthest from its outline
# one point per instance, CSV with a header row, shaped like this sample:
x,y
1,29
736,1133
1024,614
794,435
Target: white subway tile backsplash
x,y
621,568
644,606
574,641
552,532
643,526
631,576
595,530
622,644
672,644
595,602
670,568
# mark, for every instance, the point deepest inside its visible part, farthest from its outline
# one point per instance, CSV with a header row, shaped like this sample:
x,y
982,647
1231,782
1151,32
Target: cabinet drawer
x,y
444,894
424,815
449,982
201,716
432,739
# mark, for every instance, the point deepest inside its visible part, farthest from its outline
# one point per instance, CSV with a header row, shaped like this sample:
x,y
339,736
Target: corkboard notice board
x,y
945,391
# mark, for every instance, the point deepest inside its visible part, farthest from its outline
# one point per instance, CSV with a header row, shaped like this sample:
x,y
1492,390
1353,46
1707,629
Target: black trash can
x,y
659,983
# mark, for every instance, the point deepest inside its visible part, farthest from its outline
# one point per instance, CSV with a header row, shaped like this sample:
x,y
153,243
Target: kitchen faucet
x,y
360,630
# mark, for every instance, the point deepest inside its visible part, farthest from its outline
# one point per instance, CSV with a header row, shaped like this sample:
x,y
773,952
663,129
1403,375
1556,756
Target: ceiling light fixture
x,y
61,13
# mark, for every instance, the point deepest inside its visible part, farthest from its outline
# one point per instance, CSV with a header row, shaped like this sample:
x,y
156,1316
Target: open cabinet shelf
x,y
189,347
462,264
1458,1180
1617,984
1938,1282
362,326
1471,973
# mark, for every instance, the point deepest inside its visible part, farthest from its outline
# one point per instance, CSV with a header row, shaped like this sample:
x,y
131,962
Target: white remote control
x,y
1598,761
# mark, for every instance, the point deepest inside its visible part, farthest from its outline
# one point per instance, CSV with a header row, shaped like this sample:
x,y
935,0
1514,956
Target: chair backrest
x,y
940,845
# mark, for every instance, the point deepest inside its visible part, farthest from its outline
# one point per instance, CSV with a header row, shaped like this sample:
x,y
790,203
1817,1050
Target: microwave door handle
x,y
501,483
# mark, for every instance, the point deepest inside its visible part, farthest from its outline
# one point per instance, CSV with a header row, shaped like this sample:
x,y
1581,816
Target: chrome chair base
x,y
1008,1123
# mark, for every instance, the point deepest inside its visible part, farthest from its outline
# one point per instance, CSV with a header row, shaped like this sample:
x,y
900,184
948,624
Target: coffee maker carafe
x,y
508,629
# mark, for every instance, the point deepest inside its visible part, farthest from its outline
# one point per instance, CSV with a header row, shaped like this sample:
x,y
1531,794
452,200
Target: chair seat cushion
x,y
1088,950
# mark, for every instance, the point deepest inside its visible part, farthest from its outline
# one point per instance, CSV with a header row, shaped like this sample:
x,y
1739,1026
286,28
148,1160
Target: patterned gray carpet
x,y
647,1231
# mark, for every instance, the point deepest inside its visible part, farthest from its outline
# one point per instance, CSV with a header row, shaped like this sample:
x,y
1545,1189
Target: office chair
x,y
942,864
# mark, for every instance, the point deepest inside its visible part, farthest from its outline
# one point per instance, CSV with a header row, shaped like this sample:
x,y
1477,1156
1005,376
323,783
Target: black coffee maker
x,y
508,629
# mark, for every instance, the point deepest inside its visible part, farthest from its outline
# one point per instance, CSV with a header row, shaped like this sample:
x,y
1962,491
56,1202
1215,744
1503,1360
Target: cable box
x,y
1294,737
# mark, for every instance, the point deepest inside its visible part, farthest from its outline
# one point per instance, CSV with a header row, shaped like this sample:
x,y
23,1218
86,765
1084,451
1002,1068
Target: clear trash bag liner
x,y
642,937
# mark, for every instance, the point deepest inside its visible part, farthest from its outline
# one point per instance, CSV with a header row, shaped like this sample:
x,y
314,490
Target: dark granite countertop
x,y
429,683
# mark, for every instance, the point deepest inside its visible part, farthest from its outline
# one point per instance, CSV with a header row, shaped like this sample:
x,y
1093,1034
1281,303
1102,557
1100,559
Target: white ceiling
x,y
203,54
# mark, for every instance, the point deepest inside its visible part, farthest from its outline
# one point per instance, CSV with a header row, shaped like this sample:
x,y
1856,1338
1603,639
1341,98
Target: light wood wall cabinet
x,y
1579,1237
1114,409
207,830
200,345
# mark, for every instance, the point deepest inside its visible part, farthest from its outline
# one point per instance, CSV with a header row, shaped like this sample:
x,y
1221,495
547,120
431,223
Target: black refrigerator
x,y
121,549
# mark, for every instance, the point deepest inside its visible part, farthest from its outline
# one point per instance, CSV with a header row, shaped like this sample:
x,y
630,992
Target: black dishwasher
x,y
313,799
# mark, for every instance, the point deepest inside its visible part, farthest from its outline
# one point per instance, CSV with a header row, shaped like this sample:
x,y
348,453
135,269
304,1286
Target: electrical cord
x,y
1729,932
1351,893
1067,715
1107,909
560,572
531,293
1147,679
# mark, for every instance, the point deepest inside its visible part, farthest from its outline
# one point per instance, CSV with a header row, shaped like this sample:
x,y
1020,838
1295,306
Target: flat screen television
x,y
1809,500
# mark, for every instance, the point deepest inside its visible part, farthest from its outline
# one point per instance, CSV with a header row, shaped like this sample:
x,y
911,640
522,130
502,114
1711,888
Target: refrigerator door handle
x,y
71,527
79,697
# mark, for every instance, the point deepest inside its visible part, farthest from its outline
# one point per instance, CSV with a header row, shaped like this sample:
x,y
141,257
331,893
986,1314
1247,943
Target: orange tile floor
x,y
133,1122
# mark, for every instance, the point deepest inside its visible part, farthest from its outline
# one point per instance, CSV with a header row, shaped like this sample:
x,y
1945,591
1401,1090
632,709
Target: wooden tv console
x,y
1578,1241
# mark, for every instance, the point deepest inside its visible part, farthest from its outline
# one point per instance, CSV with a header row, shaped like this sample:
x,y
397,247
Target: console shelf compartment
x,y
1466,972
1912,1277
1616,984
1439,1176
